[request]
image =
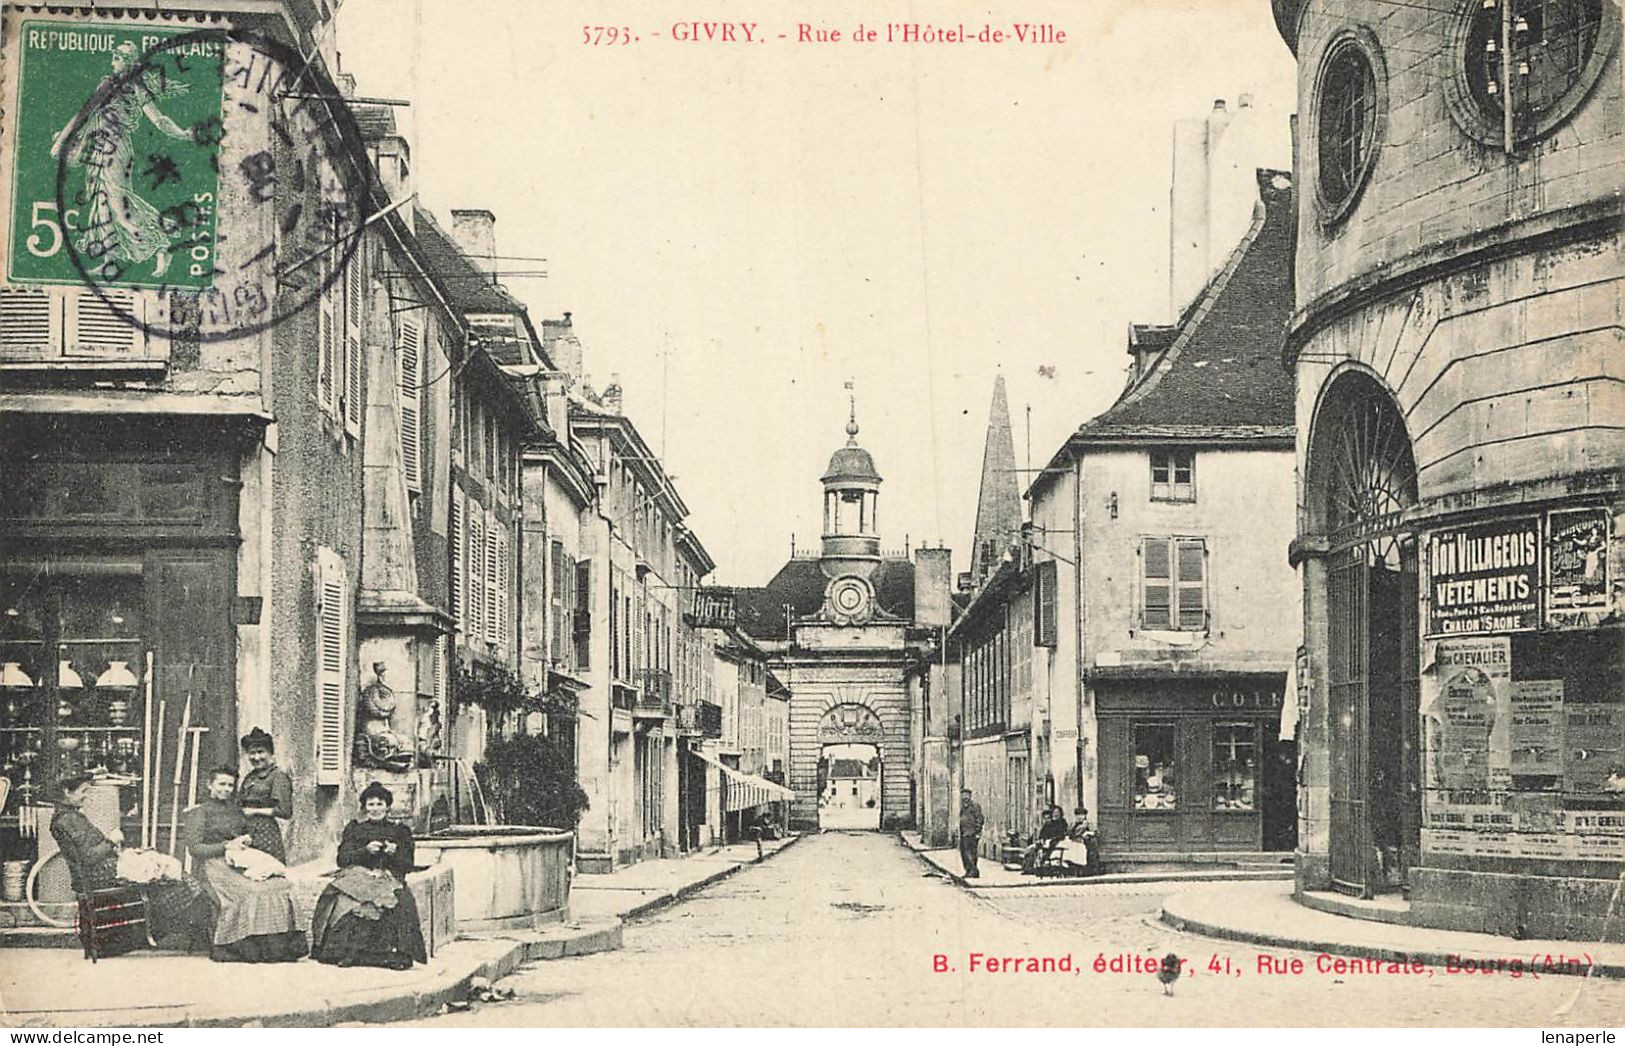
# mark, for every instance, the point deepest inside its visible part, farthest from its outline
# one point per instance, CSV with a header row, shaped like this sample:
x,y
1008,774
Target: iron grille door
x,y
1349,596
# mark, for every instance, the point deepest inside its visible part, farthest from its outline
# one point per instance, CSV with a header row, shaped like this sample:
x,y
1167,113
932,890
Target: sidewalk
x,y
1266,914
995,876
57,987
641,888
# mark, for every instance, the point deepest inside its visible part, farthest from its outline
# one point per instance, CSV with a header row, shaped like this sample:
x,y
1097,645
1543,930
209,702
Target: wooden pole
x,y
180,763
157,769
146,758
191,786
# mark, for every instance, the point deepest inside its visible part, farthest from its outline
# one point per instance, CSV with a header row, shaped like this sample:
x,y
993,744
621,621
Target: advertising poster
x,y
1470,728
1577,568
1484,578
1537,733
1594,749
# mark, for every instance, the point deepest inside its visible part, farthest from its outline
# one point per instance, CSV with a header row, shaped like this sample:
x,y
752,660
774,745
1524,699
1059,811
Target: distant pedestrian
x,y
970,832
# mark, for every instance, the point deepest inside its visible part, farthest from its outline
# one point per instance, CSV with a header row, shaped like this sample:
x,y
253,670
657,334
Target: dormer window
x,y
1173,475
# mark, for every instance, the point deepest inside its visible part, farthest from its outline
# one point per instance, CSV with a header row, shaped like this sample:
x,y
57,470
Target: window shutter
x,y
354,396
410,337
454,578
1192,584
103,326
581,622
332,613
442,673
30,323
491,592
326,381
475,592
557,607
502,588
1045,631
1155,566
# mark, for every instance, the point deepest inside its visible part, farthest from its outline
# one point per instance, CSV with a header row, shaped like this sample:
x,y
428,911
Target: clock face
x,y
849,598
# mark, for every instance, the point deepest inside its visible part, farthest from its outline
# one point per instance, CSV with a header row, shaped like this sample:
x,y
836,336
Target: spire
x,y
998,506
852,417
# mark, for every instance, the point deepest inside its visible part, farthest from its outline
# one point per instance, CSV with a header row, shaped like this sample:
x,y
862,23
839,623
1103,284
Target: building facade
x,y
647,563
236,474
1161,522
1461,436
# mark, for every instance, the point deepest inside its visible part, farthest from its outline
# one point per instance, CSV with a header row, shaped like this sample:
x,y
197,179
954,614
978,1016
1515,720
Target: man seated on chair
x,y
175,907
1050,835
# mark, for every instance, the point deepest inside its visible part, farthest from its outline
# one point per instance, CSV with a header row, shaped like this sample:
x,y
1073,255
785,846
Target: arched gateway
x,y
1361,479
843,631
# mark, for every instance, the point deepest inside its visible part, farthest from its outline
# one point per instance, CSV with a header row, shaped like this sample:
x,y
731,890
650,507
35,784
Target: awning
x,y
742,790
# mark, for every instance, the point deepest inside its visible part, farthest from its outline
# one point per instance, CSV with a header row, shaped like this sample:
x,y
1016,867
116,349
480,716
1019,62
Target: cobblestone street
x,y
843,928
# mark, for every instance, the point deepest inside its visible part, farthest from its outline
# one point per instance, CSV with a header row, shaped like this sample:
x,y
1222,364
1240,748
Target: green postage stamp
x,y
117,175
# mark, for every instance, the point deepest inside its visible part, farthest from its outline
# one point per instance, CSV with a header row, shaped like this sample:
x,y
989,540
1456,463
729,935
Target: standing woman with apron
x,y
266,794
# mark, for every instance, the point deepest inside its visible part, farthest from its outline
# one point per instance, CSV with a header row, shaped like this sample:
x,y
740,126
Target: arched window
x,y
1348,115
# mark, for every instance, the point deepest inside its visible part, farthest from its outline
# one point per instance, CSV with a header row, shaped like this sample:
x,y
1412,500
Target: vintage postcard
x,y
914,514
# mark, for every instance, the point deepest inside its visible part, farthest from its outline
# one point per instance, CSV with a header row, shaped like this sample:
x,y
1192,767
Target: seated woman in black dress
x,y
257,921
367,916
177,914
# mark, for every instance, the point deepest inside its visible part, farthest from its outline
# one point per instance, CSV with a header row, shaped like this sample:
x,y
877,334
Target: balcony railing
x,y
699,719
654,692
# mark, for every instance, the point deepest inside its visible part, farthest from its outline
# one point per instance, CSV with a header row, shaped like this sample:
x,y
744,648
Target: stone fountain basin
x,y
505,876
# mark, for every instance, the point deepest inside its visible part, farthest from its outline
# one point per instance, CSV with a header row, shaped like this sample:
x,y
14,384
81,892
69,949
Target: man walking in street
x,y
970,832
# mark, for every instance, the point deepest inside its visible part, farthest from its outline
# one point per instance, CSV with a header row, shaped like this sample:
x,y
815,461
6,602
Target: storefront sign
x,y
1577,568
1484,578
1537,733
1227,699
713,607
1469,728
139,168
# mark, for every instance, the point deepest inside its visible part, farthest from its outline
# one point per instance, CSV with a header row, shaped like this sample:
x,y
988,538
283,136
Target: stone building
x,y
1460,443
237,475
1160,525
182,431
849,630
646,562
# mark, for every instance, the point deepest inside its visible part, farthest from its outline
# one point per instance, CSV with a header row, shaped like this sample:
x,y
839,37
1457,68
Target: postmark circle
x,y
148,221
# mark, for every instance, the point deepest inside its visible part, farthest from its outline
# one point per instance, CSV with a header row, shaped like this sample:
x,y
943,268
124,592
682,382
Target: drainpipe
x,y
1077,578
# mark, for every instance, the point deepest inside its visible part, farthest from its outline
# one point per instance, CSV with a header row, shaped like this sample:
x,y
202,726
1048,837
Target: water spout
x,y
468,805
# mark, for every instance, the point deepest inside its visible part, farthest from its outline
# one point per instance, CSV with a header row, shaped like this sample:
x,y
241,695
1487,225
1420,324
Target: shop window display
x,y
72,664
1154,779
1235,767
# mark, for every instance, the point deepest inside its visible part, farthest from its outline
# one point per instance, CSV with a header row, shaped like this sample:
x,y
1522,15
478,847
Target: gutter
x,y
1077,575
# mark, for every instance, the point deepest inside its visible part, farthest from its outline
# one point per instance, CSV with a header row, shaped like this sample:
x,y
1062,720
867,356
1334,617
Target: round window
x,y
1534,58
1346,125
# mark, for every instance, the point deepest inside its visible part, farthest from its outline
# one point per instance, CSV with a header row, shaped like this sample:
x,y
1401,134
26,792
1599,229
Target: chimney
x,y
1245,102
394,163
933,574
610,398
475,232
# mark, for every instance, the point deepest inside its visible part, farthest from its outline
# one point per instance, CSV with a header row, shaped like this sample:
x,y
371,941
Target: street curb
x,y
1425,956
1039,882
502,956
684,892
